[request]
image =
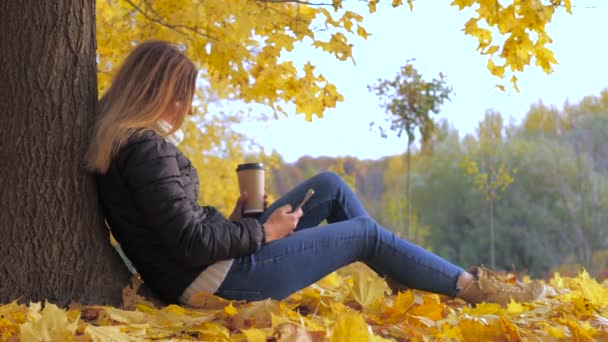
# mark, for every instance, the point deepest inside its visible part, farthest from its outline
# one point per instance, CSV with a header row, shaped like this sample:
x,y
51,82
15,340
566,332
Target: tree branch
x,y
302,2
160,21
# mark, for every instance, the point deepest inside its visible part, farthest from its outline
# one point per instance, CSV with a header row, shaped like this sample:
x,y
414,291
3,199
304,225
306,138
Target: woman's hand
x,y
281,223
237,213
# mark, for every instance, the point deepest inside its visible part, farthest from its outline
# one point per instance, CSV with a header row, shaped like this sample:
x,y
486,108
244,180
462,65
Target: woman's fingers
x,y
286,209
238,207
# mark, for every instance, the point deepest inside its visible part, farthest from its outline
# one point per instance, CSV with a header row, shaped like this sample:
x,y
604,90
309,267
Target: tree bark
x,y
54,245
408,191
492,236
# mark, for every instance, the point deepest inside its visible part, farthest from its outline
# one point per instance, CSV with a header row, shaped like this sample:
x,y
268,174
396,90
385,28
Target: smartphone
x,y
308,195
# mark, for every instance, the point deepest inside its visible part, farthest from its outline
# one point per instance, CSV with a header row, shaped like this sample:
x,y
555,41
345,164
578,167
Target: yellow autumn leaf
x,y
484,309
430,308
7,329
514,308
126,317
48,324
462,3
230,310
514,81
490,50
212,332
410,3
580,331
498,71
557,332
330,281
288,332
350,326
450,332
568,6
403,302
256,314
361,32
473,330
592,291
508,329
109,333
557,281
255,335
372,5
368,290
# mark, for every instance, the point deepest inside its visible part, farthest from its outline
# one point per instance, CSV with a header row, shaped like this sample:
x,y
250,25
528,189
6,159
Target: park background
x,y
547,138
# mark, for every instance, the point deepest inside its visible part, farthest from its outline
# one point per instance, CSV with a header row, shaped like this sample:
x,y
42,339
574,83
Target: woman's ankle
x,y
464,279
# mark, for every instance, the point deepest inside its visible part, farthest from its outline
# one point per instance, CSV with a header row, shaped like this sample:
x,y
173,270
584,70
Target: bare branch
x,y
160,21
301,2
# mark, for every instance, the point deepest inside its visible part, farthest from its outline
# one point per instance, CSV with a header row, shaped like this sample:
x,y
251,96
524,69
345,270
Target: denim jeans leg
x,y
333,201
285,266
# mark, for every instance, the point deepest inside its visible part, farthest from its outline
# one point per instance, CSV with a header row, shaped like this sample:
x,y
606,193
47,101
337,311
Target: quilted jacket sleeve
x,y
153,177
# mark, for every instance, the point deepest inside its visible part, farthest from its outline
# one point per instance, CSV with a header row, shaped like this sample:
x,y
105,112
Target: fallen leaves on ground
x,y
352,304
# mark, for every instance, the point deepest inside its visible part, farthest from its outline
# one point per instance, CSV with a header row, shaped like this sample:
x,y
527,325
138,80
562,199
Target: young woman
x,y
149,189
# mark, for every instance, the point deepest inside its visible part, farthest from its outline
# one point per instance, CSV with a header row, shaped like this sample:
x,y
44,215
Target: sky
x,y
432,35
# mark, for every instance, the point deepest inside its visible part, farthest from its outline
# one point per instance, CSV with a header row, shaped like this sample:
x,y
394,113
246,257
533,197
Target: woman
x,y
149,191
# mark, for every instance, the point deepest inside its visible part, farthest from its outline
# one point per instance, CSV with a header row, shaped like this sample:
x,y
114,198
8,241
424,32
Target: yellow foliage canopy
x,y
522,23
238,44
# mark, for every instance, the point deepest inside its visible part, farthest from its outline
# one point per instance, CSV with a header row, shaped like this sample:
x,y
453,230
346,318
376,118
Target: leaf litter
x,y
352,304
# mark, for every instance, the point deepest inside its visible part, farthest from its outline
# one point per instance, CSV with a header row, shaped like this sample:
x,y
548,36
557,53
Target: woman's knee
x,y
367,223
328,179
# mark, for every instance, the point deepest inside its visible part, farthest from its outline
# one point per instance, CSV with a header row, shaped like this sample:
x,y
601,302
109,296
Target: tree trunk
x,y
408,191
54,244
492,236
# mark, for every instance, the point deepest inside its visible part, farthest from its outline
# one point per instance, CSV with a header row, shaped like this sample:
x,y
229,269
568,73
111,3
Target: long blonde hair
x,y
152,79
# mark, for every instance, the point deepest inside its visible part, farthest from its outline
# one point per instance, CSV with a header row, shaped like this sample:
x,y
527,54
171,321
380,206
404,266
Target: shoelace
x,y
499,281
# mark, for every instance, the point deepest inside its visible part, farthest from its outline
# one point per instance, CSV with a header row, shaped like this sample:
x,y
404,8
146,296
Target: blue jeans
x,y
285,266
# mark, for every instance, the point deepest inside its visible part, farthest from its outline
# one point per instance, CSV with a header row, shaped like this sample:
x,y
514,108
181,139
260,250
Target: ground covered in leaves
x,y
350,305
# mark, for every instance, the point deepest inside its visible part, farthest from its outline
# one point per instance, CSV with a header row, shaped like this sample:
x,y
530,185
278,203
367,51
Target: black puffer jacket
x,y
149,197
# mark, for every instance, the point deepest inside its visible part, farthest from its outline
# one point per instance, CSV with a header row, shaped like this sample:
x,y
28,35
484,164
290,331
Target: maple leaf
x,y
350,326
498,71
256,314
255,335
372,5
592,291
396,312
368,290
109,333
462,3
514,308
484,309
430,308
514,81
568,5
48,324
230,310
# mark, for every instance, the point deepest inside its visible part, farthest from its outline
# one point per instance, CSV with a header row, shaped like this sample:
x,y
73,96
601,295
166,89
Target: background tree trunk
x,y
409,190
54,245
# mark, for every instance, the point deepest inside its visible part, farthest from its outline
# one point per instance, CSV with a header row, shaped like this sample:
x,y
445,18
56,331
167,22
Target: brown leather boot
x,y
490,287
